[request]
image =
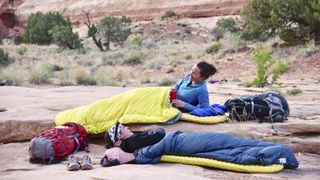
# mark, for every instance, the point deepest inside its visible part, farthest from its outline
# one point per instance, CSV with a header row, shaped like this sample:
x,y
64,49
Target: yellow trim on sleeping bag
x,y
203,120
222,165
141,105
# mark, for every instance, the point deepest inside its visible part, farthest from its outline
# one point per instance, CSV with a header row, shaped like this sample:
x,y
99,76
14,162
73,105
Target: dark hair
x,y
109,143
105,162
206,69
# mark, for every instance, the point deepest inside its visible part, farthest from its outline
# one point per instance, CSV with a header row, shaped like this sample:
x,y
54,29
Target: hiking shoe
x,y
73,164
86,163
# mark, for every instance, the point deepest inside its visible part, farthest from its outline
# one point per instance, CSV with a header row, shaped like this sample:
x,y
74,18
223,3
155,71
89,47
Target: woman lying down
x,y
148,147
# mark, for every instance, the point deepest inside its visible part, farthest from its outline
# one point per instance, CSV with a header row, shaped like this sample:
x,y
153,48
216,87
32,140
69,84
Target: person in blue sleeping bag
x,y
218,146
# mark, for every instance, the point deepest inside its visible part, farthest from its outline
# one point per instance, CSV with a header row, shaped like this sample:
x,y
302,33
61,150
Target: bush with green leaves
x,y
250,33
168,14
188,56
134,58
224,25
40,73
263,61
18,40
278,68
65,38
110,29
137,40
21,49
12,75
5,59
257,15
294,91
83,77
1,43
214,48
294,21
39,25
229,24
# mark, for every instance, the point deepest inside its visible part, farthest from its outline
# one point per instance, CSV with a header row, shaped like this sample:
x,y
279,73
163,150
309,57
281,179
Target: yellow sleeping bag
x,y
142,105
222,165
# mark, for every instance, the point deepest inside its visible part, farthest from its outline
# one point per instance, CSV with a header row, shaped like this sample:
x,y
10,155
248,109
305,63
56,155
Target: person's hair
x,y
109,143
107,138
206,69
105,162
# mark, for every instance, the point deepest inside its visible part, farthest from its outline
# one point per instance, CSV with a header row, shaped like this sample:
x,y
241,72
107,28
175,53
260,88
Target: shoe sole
x,y
87,167
73,167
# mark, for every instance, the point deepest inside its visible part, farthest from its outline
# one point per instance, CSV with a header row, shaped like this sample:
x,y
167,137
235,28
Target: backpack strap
x,y
75,137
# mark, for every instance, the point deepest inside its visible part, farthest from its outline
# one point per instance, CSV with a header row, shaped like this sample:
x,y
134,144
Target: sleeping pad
x,y
218,146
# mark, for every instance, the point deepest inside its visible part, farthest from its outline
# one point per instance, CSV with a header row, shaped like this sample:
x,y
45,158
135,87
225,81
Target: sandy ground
x,y
39,105
14,157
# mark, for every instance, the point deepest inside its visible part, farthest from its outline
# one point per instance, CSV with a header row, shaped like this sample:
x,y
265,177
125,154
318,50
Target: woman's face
x,y
195,75
125,132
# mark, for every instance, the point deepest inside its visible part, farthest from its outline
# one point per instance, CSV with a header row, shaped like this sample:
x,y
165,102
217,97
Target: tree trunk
x,y
98,43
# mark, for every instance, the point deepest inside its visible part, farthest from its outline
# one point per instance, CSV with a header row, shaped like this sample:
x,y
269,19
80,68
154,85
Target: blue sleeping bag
x,y
218,146
215,109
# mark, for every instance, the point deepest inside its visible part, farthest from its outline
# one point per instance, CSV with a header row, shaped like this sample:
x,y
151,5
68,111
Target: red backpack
x,y
57,143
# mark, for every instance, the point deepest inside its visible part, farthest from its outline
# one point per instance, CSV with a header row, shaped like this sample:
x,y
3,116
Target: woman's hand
x,y
178,103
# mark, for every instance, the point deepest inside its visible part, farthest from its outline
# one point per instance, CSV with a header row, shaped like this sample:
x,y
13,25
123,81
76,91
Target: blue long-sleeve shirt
x,y
194,95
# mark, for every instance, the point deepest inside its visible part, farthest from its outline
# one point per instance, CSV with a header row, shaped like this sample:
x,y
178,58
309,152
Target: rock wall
x,y
8,17
137,10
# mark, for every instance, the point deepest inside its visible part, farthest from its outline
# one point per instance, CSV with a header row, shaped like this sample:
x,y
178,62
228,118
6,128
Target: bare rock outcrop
x,y
8,18
26,112
138,10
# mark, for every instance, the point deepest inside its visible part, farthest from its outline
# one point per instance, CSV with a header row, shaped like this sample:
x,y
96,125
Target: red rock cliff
x,y
137,10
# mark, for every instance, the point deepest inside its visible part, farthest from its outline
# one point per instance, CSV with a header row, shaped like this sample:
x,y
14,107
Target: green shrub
x,y
5,60
166,82
65,38
289,36
278,68
214,48
111,29
228,24
296,21
86,80
188,56
173,52
21,49
257,15
251,33
134,58
218,33
82,77
1,42
39,25
224,25
18,40
65,78
137,40
106,76
12,76
294,91
40,73
168,14
262,60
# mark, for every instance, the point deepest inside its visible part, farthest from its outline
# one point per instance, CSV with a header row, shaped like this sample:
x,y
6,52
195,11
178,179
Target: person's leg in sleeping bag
x,y
216,146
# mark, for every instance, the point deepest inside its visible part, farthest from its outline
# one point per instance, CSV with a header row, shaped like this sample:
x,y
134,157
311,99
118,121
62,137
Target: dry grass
x,y
141,60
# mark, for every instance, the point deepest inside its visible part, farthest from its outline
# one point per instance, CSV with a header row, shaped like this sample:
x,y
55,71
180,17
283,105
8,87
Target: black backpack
x,y
267,107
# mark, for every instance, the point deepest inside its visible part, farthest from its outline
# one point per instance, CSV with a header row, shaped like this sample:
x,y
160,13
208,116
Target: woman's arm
x,y
142,140
203,97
